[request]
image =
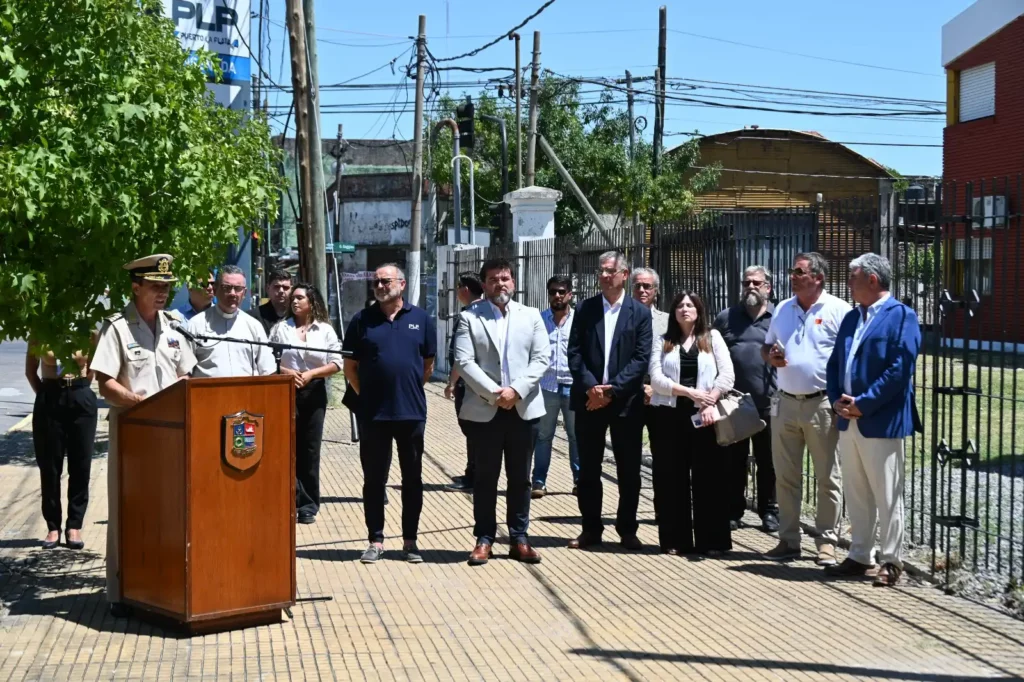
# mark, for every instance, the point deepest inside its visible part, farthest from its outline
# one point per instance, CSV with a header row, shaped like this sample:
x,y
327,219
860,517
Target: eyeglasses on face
x,y
799,273
645,286
227,288
608,271
557,292
753,282
382,281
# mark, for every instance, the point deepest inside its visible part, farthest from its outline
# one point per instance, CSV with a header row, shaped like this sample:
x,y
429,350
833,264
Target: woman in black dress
x,y
690,369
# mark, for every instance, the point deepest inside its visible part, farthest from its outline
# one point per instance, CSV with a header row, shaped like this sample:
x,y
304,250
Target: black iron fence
x,y
956,256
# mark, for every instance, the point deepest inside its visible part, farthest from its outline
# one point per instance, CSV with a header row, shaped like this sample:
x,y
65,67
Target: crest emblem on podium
x,y
242,440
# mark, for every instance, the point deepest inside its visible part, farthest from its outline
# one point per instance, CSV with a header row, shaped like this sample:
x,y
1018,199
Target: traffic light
x,y
464,116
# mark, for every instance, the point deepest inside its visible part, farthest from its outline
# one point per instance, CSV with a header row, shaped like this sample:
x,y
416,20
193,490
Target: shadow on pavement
x,y
767,664
391,553
790,572
16,449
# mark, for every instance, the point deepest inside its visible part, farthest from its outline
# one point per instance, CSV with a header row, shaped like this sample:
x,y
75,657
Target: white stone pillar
x,y
533,212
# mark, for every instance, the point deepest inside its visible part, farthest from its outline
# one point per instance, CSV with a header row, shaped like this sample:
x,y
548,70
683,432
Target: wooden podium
x,y
207,501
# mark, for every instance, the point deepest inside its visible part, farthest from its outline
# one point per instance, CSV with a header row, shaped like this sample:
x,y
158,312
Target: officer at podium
x,y
138,355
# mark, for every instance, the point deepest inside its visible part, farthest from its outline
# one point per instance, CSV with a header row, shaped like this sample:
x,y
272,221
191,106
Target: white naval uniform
x,y
144,362
227,358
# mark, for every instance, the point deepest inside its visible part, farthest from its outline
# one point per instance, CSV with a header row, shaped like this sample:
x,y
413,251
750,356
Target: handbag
x,y
739,418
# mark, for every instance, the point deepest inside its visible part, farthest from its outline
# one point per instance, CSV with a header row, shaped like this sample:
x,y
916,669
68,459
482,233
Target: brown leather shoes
x,y
480,554
584,540
521,551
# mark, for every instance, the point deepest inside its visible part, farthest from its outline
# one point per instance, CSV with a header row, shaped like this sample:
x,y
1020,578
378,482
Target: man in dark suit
x,y
609,348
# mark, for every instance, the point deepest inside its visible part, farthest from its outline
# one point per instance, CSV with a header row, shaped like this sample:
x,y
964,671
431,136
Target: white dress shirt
x,y
319,335
863,321
501,321
227,358
611,318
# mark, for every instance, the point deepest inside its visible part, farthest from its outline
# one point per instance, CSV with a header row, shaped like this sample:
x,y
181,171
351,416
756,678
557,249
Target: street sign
x,y
340,247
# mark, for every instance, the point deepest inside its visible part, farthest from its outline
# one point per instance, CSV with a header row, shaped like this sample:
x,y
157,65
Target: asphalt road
x,y
15,395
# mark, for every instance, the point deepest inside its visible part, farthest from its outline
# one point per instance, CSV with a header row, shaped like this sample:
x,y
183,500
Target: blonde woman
x,y
690,369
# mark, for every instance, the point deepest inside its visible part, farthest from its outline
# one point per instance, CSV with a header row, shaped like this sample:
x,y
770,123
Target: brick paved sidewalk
x,y
606,614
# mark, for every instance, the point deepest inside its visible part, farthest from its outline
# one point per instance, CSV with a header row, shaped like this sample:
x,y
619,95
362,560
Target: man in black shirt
x,y
469,291
744,327
279,289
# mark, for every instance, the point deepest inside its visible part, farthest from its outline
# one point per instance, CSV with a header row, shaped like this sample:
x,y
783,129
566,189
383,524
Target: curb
x,y
21,425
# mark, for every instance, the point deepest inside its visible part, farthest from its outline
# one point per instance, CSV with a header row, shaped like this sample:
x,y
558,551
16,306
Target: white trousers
x,y
873,474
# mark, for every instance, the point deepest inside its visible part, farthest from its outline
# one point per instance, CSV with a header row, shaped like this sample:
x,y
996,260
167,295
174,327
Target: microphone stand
x,y
276,348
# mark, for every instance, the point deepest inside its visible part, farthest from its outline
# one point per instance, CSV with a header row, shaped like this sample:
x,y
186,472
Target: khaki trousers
x,y
873,475
113,516
809,423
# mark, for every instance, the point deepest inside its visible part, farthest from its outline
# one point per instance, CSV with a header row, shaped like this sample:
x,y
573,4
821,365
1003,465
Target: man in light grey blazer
x,y
501,352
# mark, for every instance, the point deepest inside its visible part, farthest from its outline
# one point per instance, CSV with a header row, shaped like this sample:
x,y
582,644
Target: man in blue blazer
x,y
871,387
609,348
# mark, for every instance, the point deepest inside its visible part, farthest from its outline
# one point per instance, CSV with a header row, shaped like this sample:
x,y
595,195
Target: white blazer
x,y
714,369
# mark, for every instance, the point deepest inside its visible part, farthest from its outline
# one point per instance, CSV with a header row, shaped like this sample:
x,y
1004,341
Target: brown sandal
x,y
888,575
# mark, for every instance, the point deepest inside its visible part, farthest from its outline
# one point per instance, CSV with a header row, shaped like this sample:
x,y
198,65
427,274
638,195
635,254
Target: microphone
x,y
180,328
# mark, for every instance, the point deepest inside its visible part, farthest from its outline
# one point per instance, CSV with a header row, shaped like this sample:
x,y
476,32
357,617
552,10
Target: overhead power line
x,y
801,54
799,175
755,138
503,36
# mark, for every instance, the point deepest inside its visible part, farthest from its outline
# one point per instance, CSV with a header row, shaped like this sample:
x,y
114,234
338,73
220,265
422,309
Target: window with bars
x,y
975,272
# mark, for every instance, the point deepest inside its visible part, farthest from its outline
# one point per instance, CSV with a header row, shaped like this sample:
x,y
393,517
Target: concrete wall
x,y
376,221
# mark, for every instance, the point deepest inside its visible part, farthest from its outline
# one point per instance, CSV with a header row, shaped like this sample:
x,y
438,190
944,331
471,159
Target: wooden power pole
x,y
415,224
312,249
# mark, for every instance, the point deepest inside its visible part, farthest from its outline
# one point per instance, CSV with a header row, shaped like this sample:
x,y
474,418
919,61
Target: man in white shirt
x,y
229,358
798,344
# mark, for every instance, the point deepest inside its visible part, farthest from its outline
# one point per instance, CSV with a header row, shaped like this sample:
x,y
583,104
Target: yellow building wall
x,y
757,190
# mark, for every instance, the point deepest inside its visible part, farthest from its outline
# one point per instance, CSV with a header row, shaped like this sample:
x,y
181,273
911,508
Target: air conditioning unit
x,y
988,212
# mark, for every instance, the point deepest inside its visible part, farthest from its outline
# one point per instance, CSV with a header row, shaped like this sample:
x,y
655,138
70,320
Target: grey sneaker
x,y
411,553
783,552
538,492
372,554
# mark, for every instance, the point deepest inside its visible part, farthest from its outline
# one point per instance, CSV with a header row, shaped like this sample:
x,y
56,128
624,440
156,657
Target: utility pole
x,y
531,153
629,111
312,250
655,155
519,116
318,209
660,102
413,260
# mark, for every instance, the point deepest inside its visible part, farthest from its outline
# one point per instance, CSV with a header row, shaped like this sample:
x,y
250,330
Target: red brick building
x,y
983,162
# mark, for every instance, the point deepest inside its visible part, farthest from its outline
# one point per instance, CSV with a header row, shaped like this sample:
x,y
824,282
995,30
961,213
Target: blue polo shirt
x,y
390,354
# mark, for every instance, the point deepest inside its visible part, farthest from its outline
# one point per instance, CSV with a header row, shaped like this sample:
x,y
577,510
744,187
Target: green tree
x,y
111,148
592,141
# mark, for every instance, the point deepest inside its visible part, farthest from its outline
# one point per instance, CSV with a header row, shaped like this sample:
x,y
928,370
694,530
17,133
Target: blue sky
x,y
895,35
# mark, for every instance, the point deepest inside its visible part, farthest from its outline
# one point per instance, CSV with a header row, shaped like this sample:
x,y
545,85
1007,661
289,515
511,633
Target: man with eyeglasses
x,y
227,358
199,299
744,327
799,343
279,289
555,387
609,349
389,356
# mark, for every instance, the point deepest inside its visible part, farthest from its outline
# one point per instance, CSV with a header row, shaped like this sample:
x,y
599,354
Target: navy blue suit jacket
x,y
882,376
627,362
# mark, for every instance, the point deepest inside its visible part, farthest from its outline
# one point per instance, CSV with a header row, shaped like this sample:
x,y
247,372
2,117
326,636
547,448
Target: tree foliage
x,y
592,142
111,148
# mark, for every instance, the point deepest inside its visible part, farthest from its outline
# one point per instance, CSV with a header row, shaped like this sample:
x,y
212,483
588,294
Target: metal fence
x,y
956,256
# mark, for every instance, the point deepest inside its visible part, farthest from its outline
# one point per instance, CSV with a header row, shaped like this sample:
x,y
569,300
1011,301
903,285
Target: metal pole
x,y
531,153
659,142
629,110
546,148
456,177
318,208
416,216
519,116
472,199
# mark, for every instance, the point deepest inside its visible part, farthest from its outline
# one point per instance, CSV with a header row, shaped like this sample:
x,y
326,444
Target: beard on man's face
x,y
500,298
753,298
387,295
559,305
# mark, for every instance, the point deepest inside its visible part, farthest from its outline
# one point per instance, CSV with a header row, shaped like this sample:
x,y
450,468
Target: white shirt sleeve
x,y
265,362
